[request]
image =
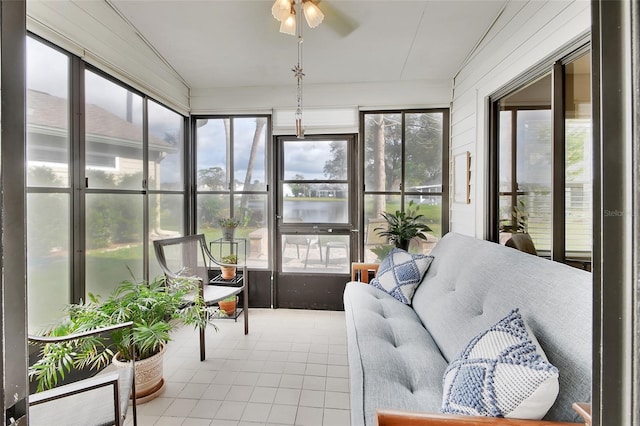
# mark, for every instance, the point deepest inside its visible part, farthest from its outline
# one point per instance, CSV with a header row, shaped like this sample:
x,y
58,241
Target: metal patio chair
x,y
189,256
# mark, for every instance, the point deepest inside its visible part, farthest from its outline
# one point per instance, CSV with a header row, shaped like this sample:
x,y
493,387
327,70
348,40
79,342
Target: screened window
x,y
126,171
114,216
404,165
48,183
166,177
231,174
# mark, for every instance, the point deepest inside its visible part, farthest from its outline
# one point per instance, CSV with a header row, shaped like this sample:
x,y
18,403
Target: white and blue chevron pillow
x,y
502,372
400,273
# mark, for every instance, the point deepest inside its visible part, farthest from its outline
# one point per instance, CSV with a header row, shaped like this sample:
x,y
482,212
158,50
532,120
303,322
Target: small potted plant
x,y
228,268
228,225
228,305
402,227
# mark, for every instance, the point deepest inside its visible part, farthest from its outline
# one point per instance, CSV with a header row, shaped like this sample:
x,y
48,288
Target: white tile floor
x,y
291,369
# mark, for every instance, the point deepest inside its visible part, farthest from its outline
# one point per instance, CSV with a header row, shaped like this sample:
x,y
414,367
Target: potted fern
x,y
155,308
402,227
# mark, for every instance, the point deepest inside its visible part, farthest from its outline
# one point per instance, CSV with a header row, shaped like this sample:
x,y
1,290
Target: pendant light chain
x,y
298,71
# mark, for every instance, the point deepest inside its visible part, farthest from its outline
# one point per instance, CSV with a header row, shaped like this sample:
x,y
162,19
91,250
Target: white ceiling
x,y
236,43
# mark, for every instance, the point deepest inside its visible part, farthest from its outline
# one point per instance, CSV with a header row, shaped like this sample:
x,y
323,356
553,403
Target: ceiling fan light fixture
x,y
288,25
312,13
281,9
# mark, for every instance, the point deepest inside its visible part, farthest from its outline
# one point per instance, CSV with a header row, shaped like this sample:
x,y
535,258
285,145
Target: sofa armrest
x,y
361,270
584,410
407,418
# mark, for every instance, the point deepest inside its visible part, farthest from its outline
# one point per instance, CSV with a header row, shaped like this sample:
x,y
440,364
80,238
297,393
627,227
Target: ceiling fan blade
x,y
342,24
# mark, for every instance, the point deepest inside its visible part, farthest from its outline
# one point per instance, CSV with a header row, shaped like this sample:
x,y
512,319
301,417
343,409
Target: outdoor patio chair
x,y
99,400
304,241
189,256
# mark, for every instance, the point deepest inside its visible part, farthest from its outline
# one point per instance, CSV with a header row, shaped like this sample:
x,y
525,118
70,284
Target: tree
x,y
257,136
210,209
299,189
382,155
336,167
214,178
423,149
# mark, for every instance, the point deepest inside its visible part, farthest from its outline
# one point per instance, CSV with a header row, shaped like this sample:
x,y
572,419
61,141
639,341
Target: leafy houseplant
x,y
155,308
381,251
228,226
228,272
403,226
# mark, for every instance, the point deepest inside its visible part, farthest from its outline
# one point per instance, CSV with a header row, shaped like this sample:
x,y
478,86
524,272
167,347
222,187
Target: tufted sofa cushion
x,y
391,352
472,282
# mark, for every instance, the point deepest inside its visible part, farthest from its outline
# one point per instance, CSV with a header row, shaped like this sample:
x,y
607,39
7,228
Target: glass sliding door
x,y
578,160
526,163
543,145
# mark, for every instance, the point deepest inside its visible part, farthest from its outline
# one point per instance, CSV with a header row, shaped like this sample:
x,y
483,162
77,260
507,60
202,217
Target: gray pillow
x,y
400,273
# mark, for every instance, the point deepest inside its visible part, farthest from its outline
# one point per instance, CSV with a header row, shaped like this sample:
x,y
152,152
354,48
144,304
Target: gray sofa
x,y
398,353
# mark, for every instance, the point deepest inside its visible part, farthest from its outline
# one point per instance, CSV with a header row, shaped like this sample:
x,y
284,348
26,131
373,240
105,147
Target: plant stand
x,y
220,248
234,282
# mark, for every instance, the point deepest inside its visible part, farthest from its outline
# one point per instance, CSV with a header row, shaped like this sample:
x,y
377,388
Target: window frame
x,y
77,188
553,66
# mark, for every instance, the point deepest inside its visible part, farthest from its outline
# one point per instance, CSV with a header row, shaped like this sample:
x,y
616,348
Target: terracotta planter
x,y
149,376
228,272
228,306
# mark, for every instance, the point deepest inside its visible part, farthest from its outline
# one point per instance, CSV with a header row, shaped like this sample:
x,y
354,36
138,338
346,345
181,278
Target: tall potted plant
x,y
403,226
155,308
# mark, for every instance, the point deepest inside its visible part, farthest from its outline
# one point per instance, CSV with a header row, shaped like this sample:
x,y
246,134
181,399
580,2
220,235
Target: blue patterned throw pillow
x,y
400,273
501,373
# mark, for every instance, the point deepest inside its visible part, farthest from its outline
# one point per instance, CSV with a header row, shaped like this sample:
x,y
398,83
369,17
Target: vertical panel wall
x,y
522,35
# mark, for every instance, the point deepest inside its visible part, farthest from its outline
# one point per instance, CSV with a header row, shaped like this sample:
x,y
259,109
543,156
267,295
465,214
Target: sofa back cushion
x,y
470,285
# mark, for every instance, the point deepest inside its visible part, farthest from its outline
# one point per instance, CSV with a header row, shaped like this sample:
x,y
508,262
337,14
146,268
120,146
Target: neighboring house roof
x,y
49,114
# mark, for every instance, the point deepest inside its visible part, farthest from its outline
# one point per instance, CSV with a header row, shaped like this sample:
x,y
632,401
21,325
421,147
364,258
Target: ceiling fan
x,y
285,12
